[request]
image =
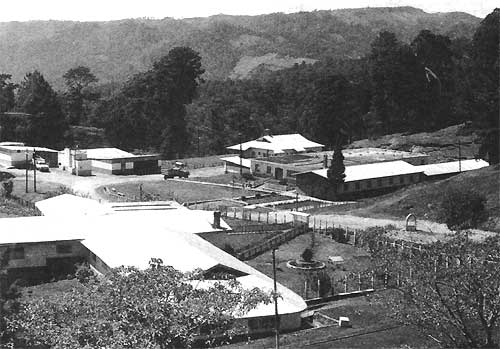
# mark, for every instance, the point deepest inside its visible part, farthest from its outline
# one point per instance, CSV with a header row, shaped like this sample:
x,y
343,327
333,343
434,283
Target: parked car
x,y
41,165
178,170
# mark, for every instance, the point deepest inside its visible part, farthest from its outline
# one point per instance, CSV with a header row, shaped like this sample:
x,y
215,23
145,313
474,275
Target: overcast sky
x,y
101,10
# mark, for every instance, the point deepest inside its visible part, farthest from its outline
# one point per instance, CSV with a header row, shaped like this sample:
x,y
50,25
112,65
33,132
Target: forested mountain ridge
x,y
116,50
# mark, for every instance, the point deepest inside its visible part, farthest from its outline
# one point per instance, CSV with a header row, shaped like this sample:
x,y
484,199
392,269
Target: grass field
x,y
182,191
423,199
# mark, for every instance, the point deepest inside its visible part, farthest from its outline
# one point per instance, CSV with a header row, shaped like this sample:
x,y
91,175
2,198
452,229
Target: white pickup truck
x,y
41,165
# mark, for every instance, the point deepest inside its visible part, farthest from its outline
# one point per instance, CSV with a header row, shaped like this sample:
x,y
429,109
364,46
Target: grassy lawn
x,y
355,260
181,191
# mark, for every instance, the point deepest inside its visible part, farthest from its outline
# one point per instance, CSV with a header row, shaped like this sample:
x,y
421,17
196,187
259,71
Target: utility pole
x,y
198,135
34,170
241,153
275,296
459,156
27,167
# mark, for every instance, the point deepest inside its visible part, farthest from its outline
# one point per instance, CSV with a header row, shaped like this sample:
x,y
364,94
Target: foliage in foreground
x,y
450,290
156,308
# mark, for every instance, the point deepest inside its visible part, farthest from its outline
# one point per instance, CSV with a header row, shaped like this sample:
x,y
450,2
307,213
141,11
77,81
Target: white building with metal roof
x,y
131,234
271,145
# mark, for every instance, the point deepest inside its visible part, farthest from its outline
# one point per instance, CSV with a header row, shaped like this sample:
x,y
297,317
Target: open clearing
x,y
182,191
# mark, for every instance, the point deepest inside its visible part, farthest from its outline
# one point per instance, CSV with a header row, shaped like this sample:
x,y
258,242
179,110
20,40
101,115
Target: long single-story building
x,y
46,247
360,180
447,169
13,154
111,161
378,178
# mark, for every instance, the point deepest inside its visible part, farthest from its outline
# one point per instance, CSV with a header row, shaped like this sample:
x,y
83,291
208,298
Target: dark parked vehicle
x,y
179,170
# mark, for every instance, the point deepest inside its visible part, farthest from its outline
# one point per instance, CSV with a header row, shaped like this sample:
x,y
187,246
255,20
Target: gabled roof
x,y
452,167
376,170
279,143
107,153
67,204
133,238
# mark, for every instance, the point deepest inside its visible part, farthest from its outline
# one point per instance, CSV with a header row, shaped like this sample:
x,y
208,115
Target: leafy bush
x,y
462,208
339,235
83,273
307,255
7,187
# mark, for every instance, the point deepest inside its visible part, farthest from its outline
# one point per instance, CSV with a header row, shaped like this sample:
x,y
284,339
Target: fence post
x,y
305,288
319,284
345,283
354,238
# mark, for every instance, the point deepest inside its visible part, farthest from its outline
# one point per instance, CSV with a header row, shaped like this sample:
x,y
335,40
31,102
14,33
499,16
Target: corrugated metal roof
x,y
133,238
376,170
279,143
236,161
27,148
452,167
107,153
67,204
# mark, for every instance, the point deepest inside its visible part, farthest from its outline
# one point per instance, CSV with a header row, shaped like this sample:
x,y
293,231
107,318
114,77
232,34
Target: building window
x,y
253,154
17,253
63,248
268,169
257,169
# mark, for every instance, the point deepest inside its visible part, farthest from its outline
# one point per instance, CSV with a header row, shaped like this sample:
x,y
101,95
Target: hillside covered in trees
x,y
399,83
116,50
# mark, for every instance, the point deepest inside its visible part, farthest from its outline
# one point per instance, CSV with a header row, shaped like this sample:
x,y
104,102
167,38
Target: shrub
x,y
307,255
83,273
7,187
339,235
462,208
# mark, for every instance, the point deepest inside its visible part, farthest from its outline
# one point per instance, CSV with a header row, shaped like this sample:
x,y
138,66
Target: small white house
x,y
271,145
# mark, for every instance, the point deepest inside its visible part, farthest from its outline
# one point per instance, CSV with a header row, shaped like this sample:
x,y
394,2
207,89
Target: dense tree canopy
x,y
449,290
46,126
79,81
155,308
